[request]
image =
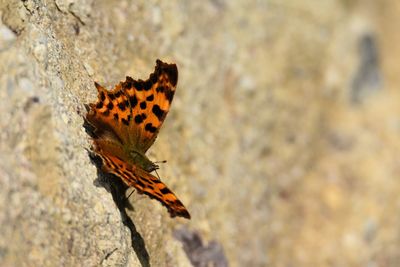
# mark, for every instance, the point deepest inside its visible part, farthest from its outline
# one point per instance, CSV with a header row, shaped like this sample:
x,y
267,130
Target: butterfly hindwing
x,y
145,183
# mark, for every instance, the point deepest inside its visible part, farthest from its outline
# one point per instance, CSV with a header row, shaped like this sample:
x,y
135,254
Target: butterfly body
x,y
126,121
142,161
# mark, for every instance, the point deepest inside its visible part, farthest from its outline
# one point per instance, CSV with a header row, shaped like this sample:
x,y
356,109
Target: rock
x,y
263,142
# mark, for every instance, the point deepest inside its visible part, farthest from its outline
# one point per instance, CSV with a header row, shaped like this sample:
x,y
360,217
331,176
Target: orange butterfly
x,y
126,121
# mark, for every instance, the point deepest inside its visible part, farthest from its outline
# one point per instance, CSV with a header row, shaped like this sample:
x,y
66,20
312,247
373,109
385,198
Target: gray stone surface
x,y
281,142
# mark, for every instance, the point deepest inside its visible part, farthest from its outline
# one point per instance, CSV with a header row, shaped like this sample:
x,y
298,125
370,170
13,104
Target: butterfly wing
x,y
144,182
133,112
109,116
150,101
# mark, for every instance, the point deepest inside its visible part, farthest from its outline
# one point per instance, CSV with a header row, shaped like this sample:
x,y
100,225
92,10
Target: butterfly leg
x,y
133,190
157,175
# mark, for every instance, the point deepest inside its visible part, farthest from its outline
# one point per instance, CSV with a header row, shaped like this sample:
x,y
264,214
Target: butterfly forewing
x,y
108,114
150,101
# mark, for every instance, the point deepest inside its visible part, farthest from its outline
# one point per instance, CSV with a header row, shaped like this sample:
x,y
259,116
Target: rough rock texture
x,y
283,139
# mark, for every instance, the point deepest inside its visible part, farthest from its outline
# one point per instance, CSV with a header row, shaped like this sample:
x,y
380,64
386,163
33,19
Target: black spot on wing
x,y
138,85
147,85
150,98
110,105
122,106
128,83
125,121
133,100
102,96
158,112
149,127
139,183
143,105
165,191
139,118
169,95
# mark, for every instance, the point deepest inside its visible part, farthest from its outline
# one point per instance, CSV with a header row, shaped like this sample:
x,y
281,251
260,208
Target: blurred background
x,y
282,141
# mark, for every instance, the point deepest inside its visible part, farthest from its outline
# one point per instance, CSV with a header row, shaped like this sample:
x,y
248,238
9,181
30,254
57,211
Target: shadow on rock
x,y
199,254
117,189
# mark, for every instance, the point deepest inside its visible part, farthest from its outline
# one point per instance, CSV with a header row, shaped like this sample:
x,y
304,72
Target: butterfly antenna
x,y
161,161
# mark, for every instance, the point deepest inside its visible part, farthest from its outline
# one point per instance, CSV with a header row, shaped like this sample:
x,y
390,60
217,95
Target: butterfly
x,y
126,121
